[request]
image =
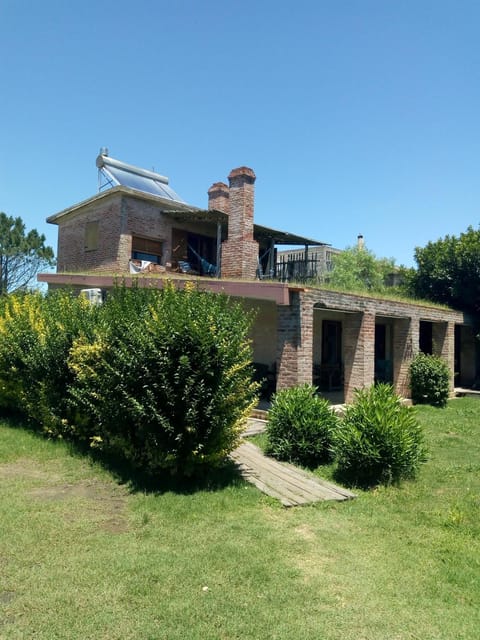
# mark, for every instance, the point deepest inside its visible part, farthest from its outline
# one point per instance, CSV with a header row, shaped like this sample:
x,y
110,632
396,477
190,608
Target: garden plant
x,y
300,426
380,440
429,380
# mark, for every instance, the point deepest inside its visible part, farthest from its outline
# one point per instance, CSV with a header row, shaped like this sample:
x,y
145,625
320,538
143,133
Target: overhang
x,y
277,292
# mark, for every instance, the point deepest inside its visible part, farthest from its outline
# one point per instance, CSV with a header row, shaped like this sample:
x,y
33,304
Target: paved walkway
x,y
289,484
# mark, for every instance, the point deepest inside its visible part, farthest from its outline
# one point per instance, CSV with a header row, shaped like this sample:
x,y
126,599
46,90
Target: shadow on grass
x,y
137,480
205,479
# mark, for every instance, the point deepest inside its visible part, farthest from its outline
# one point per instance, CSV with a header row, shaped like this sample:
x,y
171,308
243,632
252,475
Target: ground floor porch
x,y
343,342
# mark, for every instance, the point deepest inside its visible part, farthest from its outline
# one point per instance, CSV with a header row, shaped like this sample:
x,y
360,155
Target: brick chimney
x,y
240,250
218,197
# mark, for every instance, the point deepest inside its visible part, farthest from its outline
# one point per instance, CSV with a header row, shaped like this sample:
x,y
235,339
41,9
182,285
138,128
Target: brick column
x,y
218,197
240,251
358,352
295,342
406,338
443,343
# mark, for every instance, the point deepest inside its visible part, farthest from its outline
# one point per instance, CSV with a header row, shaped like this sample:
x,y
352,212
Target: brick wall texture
x,y
119,217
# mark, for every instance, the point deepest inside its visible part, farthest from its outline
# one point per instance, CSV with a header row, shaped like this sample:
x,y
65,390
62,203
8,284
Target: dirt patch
x,y
28,469
103,502
305,532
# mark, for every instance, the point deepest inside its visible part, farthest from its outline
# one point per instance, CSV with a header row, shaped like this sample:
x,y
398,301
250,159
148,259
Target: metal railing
x,y
297,268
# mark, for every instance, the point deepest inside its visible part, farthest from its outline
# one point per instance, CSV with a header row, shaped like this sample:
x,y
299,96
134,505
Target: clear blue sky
x,y
358,116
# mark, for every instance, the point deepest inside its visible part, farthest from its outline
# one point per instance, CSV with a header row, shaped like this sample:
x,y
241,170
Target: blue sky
x,y
358,116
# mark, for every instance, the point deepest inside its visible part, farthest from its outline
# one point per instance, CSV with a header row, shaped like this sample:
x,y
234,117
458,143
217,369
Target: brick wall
x,y
72,254
358,352
405,346
443,339
295,342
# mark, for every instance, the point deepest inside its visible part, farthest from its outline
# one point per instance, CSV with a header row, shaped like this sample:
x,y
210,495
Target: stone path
x,y
289,484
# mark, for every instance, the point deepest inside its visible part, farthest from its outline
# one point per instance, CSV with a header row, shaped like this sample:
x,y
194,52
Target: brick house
x,y
339,341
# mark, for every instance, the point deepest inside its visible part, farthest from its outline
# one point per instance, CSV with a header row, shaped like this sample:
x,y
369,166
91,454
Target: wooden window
x,y
146,249
91,235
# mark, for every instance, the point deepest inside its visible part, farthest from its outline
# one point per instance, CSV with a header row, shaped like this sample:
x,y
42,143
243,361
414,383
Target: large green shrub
x,y
380,440
167,379
429,380
300,426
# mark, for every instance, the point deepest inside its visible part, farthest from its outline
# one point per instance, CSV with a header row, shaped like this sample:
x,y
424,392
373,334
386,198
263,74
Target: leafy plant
x,y
167,379
380,440
300,426
359,269
429,380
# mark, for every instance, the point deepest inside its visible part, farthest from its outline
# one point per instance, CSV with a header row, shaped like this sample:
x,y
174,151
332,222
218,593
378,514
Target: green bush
x,y
380,440
167,379
300,426
429,380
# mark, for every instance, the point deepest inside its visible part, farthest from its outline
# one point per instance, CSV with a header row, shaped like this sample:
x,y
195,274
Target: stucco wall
x,y
264,330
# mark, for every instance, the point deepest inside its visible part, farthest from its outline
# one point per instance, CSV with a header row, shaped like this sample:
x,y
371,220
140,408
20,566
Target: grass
x,y
85,555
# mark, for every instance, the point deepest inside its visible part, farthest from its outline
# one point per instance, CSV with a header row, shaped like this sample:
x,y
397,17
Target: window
x,y
146,249
91,235
328,260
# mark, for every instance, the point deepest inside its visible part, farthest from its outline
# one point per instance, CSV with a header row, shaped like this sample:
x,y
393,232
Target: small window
x,y
91,236
147,249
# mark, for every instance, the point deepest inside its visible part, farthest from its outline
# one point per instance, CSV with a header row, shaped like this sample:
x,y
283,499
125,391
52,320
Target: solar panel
x,y
120,173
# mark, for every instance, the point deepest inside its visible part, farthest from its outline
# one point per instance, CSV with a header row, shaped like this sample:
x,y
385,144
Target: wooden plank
x,y
292,486
276,475
293,475
254,427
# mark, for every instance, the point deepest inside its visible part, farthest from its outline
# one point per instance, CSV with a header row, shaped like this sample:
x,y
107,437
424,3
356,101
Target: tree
x,y
448,271
22,255
359,269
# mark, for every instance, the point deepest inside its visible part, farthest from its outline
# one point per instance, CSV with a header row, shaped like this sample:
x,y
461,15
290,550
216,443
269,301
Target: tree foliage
x,y
22,254
448,271
359,269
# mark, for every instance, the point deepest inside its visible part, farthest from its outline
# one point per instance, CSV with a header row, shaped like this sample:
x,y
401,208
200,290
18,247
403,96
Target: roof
x,y
117,173
130,180
282,237
262,234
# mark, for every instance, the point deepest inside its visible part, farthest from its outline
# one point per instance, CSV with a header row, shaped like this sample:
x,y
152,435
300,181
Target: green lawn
x,y
83,556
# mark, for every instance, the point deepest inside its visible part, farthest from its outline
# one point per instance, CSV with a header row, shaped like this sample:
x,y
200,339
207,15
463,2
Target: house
x,y
306,264
301,334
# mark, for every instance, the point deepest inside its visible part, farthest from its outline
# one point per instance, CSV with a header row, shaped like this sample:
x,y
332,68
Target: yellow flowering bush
x,y
36,334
